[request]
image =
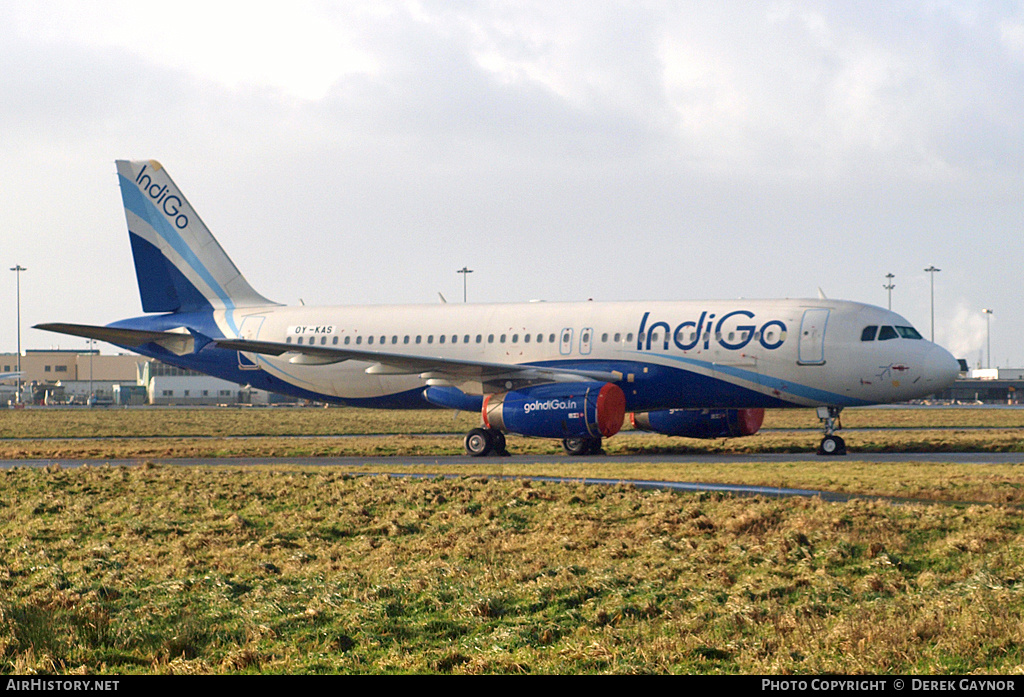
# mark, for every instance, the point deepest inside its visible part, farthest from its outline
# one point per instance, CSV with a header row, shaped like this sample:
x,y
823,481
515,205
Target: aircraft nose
x,y
941,369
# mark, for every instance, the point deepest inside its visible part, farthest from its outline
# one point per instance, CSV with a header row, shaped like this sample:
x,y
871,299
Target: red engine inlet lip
x,y
611,409
750,421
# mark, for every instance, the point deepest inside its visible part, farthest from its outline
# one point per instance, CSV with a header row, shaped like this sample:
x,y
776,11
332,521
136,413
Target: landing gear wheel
x,y
498,439
582,445
479,442
832,445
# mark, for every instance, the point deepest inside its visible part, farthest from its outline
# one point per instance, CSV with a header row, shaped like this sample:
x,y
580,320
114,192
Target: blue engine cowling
x,y
701,423
563,410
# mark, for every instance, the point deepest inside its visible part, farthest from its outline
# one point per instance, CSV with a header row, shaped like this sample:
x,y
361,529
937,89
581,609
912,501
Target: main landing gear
x,y
831,444
582,445
481,442
485,441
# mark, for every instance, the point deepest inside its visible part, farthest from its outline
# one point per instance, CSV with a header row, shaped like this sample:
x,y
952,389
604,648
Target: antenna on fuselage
x,y
442,298
821,294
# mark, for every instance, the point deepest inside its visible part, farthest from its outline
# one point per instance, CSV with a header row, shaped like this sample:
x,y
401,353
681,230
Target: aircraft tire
x,y
498,442
831,446
479,442
581,445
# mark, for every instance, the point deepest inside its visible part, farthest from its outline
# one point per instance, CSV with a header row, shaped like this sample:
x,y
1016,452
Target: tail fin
x,y
179,265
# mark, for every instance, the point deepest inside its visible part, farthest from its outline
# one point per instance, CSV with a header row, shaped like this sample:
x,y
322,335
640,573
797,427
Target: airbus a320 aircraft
x,y
570,371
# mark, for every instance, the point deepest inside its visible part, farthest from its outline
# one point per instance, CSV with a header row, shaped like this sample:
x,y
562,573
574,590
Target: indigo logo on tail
x,y
168,202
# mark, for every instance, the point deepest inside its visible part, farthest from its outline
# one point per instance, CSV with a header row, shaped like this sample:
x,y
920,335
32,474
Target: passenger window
x,y
441,339
887,333
287,340
551,338
347,340
869,333
369,340
526,338
334,341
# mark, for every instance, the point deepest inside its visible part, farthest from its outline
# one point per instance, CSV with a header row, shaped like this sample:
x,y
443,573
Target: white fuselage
x,y
733,353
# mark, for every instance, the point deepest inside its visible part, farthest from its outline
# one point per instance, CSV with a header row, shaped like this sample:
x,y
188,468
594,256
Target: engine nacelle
x,y
701,423
561,410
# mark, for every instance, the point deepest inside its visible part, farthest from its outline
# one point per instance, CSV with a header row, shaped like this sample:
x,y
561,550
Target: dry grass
x,y
282,570
222,570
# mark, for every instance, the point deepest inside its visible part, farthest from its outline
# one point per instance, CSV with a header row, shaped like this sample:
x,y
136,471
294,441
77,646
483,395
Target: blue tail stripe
x,y
137,204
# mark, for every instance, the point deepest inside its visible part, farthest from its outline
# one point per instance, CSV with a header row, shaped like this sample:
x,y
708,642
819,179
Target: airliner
x,y
562,370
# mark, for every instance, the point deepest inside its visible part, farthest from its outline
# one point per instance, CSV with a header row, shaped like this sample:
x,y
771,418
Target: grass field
x,y
160,433
163,569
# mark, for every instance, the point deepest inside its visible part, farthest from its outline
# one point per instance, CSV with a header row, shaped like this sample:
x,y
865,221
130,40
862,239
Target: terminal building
x,y
986,386
62,376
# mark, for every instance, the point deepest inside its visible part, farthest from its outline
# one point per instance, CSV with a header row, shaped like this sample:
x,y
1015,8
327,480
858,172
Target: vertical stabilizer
x,y
179,265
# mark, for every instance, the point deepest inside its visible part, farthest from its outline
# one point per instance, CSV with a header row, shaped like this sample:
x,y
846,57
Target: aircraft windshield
x,y
886,333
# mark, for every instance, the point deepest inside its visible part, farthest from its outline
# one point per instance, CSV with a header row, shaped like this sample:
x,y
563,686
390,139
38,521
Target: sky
x,y
363,152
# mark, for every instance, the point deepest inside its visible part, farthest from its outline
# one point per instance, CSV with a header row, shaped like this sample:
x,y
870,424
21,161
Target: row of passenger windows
x,y
617,337
453,338
884,333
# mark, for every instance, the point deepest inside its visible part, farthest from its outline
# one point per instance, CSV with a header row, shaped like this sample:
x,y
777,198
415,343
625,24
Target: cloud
x,y
963,333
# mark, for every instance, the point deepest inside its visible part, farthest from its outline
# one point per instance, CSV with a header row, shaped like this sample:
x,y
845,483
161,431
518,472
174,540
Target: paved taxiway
x,y
383,462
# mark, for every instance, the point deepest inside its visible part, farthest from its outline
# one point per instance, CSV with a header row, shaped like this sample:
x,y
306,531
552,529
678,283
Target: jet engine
x,y
559,410
700,423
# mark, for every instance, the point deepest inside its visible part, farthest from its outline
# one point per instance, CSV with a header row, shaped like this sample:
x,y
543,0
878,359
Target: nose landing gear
x,y
831,444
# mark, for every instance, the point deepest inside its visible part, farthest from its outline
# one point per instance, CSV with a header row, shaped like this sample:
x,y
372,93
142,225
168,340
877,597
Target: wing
x,y
472,377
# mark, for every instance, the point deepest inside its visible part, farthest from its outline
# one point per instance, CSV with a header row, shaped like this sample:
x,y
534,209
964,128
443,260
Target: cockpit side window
x,y
869,332
908,333
887,333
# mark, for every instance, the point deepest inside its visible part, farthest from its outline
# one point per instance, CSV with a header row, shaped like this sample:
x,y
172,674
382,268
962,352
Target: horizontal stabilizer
x,y
178,341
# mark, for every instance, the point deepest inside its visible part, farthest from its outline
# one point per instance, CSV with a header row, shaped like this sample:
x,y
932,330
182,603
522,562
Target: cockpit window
x,y
869,333
908,333
887,333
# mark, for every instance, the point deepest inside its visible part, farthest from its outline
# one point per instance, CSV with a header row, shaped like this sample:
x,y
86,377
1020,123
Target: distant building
x,y
74,377
987,386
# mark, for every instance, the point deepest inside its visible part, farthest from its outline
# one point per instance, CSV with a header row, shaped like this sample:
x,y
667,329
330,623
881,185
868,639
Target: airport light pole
x,y
889,286
932,270
465,271
988,338
17,269
92,346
